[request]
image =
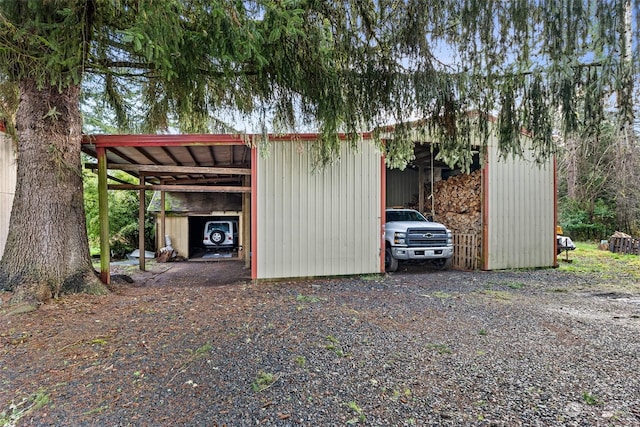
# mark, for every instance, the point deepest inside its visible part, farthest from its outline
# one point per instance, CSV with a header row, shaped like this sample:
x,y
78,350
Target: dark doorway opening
x,y
199,250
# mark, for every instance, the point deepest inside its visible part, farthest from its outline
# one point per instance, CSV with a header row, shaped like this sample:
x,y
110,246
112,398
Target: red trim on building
x,y
153,140
383,205
253,252
162,140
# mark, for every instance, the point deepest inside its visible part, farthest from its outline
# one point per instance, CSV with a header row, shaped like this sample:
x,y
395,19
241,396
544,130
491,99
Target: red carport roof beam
x,y
193,139
160,140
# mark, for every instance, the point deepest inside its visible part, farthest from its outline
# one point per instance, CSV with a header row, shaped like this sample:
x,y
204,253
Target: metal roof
x,y
184,160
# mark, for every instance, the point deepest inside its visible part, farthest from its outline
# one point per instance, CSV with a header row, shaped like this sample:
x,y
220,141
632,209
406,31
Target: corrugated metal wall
x,y
7,186
317,223
520,212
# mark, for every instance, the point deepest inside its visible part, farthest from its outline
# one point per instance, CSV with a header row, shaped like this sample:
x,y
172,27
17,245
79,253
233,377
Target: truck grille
x,y
425,237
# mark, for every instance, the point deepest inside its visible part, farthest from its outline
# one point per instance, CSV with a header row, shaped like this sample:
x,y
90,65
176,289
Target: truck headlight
x,y
449,238
399,238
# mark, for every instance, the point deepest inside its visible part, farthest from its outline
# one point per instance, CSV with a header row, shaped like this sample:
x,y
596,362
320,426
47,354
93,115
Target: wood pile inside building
x,y
458,203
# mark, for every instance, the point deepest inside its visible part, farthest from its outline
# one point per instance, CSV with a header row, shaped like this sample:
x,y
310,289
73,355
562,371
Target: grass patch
x,y
499,295
201,351
401,395
263,381
442,295
196,354
334,345
16,411
97,410
372,277
440,348
587,258
589,398
615,272
308,298
359,418
515,285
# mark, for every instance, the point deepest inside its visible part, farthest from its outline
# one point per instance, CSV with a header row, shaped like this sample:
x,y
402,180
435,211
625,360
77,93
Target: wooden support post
x,y
162,216
141,208
246,221
103,216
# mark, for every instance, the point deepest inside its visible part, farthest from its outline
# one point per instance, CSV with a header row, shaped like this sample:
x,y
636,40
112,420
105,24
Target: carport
x,y
171,163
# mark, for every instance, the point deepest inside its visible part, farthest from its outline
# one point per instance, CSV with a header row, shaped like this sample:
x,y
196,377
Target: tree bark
x,y
571,160
47,250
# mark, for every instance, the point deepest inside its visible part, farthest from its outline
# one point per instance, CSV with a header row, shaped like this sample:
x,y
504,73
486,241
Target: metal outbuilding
x,y
301,221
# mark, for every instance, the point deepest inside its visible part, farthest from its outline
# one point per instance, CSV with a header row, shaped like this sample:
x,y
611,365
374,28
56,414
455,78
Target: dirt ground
x,y
193,273
201,344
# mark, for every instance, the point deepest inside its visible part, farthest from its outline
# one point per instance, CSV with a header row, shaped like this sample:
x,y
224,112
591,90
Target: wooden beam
x,y
246,222
162,217
141,208
182,188
113,178
119,153
143,151
184,181
175,169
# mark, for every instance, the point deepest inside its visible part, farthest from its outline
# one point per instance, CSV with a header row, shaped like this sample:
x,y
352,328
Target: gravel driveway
x,y
418,347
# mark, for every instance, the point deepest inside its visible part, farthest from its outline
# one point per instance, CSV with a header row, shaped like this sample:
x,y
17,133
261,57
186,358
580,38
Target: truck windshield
x,y
404,216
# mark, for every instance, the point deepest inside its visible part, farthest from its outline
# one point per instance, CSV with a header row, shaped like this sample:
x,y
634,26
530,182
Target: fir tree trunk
x,y
47,251
571,160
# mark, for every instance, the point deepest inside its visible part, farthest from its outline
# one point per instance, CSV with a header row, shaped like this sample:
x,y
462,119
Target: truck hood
x,y
415,224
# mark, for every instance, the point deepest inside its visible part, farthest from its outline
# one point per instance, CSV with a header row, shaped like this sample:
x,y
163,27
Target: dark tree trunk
x,y
47,251
571,159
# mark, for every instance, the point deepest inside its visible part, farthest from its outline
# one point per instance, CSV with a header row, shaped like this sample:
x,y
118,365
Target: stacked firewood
x,y
458,202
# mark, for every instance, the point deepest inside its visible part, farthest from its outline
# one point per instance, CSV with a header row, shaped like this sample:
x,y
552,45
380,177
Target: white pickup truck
x,y
409,235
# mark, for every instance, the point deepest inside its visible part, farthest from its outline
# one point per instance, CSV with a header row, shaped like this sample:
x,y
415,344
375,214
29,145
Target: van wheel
x,y
390,263
217,237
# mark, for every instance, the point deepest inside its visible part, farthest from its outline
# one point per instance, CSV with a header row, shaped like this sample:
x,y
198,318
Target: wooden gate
x,y
465,251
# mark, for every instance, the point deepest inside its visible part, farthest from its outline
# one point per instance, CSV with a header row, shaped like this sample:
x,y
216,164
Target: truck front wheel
x,y
390,263
442,263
